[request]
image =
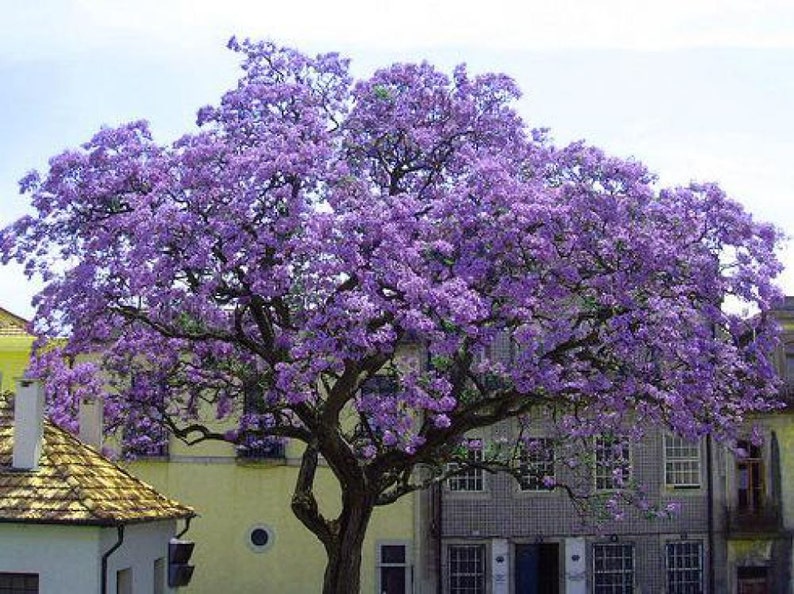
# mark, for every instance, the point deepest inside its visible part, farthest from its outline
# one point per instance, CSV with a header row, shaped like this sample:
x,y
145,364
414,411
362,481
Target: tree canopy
x,y
314,226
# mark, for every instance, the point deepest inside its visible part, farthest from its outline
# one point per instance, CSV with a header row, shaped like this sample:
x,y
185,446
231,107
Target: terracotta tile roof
x,y
74,484
11,324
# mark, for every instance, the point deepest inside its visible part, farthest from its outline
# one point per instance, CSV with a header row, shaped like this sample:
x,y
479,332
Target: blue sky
x,y
697,90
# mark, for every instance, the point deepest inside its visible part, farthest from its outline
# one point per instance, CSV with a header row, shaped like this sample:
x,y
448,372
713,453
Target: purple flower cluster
x,y
315,227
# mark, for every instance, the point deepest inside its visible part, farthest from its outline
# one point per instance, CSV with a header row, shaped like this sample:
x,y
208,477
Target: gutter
x,y
110,551
187,527
439,496
710,513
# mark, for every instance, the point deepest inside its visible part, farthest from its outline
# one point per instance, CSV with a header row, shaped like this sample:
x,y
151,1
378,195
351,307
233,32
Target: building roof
x,y
74,484
12,325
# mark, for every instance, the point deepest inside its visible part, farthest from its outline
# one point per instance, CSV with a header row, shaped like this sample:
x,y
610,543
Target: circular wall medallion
x,y
260,538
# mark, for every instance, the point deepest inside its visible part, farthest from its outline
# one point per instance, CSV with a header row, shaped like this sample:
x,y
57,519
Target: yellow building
x,y
15,344
759,490
247,539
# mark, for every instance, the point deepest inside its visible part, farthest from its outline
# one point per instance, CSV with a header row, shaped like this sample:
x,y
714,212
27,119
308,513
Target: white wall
x,y
67,558
143,544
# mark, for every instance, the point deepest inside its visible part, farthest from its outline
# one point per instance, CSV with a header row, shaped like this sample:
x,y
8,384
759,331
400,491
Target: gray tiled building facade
x,y
502,539
484,534
505,540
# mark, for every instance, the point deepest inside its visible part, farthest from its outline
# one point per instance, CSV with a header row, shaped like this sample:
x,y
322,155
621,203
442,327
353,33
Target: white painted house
x,y
71,521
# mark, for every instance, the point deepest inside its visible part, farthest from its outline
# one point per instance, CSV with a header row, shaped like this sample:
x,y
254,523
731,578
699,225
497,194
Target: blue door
x,y
537,569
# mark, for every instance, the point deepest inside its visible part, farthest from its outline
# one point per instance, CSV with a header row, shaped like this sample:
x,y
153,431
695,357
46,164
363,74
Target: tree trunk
x,y
343,572
343,537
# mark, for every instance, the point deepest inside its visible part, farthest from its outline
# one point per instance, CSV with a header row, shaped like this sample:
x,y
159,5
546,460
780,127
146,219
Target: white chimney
x,y
90,419
28,424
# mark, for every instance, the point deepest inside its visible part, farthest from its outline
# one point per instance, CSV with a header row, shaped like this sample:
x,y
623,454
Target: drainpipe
x,y
187,527
110,551
439,495
710,512
710,485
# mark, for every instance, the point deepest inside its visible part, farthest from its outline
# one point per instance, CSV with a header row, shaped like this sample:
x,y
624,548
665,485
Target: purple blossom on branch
x,y
315,227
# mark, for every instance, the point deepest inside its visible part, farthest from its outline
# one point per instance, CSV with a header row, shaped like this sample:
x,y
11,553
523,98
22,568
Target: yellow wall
x,y
14,355
783,426
230,498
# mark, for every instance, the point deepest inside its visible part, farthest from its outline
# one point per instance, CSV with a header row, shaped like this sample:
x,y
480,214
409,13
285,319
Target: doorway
x,y
537,568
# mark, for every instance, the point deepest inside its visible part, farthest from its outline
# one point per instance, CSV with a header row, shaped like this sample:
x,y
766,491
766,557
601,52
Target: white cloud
x,y
63,26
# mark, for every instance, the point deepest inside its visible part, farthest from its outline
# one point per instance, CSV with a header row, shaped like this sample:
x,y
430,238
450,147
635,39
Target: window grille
x,y
469,479
466,569
19,583
612,463
684,562
613,569
502,349
535,464
252,447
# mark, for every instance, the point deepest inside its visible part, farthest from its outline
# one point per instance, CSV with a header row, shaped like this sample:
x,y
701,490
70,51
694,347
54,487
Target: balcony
x,y
261,450
786,393
749,523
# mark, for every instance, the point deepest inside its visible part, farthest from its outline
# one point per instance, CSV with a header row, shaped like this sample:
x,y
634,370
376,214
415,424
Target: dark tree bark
x,y
342,537
343,572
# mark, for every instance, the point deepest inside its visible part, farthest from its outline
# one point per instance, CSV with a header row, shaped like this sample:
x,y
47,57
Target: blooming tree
x,y
315,227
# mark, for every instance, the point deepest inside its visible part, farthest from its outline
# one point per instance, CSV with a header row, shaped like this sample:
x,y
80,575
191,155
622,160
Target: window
x,y
19,583
393,568
684,562
260,538
377,389
613,569
145,433
254,447
124,581
159,576
469,479
789,367
612,463
536,465
253,443
681,463
749,478
498,356
752,580
379,385
466,569
145,438
502,349
787,389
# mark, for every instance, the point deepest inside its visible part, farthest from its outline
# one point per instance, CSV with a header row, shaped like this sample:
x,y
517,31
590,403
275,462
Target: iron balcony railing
x,y
740,522
262,450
